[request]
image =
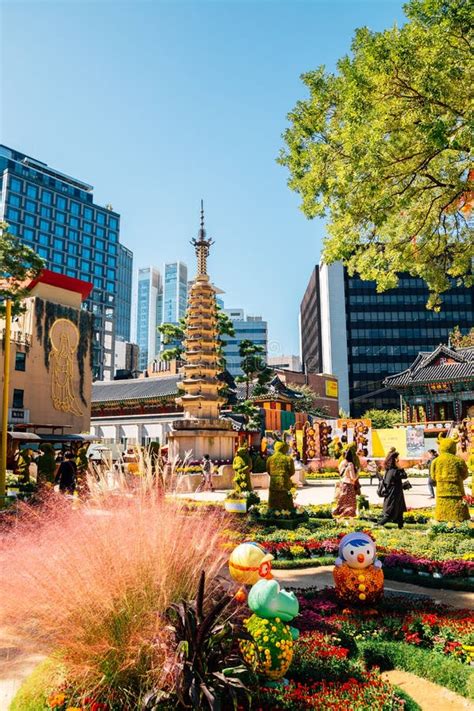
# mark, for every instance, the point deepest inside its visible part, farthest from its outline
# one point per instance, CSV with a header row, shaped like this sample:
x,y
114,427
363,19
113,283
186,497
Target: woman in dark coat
x,y
394,504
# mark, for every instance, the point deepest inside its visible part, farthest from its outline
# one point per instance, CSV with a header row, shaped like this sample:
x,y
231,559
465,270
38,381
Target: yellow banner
x,y
382,440
299,441
332,389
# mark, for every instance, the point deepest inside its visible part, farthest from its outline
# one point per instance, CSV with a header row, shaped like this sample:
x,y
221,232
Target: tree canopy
x,y
458,339
381,148
383,419
18,265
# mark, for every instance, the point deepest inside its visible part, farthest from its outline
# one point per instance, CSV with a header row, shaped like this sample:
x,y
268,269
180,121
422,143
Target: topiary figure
x,y
46,463
242,466
270,651
281,468
449,472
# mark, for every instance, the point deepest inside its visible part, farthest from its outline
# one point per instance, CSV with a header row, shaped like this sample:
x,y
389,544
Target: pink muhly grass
x,y
89,585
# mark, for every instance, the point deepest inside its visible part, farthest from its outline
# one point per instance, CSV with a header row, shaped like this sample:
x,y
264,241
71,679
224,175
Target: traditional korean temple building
x,y
438,386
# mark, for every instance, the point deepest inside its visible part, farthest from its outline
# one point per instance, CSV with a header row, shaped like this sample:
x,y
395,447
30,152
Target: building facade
x,y
55,214
252,328
162,298
365,336
148,307
285,362
51,350
310,326
126,359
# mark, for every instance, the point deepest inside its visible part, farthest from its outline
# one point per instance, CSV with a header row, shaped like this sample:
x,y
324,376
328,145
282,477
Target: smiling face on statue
x,y
359,552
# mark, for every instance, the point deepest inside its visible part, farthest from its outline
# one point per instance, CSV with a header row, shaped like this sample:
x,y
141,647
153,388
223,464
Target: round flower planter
x,y
235,505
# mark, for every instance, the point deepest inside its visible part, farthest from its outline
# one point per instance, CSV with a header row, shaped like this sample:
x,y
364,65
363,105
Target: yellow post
x,y
6,384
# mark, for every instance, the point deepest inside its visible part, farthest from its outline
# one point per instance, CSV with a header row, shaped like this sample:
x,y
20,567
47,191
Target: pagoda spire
x,y
202,246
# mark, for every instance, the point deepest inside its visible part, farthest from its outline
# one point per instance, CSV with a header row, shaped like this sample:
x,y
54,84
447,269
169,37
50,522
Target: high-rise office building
x,y
149,301
124,293
252,328
162,298
363,336
55,214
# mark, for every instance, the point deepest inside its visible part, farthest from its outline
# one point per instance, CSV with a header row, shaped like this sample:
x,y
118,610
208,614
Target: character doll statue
x,y
270,650
358,574
449,473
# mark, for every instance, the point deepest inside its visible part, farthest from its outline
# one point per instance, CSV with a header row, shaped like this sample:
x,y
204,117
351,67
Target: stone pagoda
x,y
202,431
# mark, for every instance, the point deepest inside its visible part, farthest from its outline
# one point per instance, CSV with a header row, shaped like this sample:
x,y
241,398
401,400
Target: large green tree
x,y
18,265
382,149
383,419
254,366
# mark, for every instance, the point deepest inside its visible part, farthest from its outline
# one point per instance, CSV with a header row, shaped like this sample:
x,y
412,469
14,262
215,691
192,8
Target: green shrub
x,y
430,665
33,693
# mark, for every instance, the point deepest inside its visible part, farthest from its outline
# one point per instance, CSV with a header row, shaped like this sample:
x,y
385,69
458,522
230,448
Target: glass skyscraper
x,y
55,214
162,298
251,328
361,336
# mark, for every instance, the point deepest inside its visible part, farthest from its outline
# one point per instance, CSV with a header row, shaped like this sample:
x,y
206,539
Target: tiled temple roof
x,y
426,368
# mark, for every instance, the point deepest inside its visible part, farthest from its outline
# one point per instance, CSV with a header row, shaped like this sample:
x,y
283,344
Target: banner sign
x,y
415,440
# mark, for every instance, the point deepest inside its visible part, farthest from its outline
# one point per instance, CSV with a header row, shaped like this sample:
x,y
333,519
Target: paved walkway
x,y
322,577
321,491
430,696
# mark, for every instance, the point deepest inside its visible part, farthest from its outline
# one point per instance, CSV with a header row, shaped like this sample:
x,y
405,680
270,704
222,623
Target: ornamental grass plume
x,y
89,586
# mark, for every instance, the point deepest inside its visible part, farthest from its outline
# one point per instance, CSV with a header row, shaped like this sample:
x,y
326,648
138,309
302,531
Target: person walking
x,y
206,482
431,482
66,475
394,505
346,503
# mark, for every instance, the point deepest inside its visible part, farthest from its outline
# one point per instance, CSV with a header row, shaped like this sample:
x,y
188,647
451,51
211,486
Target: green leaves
x,y
18,264
382,149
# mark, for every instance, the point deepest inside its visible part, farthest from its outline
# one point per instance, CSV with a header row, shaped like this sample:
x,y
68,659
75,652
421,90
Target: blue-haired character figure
x,y
358,575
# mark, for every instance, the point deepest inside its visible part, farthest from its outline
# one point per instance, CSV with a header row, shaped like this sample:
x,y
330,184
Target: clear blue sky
x,y
158,104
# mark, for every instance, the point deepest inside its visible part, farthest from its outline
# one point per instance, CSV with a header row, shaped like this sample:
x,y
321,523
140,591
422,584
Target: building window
x,y
112,249
60,203
86,253
32,191
30,220
58,244
86,268
100,232
110,286
30,205
20,361
87,227
43,252
61,217
101,218
86,239
43,239
57,258
46,197
45,211
111,261
28,234
75,208
45,225
18,399
72,248
98,270
13,214
71,262
88,215
73,222
99,257
16,185
99,244
14,200
113,224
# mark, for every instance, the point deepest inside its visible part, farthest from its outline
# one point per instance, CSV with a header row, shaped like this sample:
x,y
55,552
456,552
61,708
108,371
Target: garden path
x,y
321,491
322,577
16,663
427,694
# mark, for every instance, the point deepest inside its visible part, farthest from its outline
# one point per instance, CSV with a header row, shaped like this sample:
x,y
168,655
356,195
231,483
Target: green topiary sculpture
x,y
281,468
449,472
46,463
242,466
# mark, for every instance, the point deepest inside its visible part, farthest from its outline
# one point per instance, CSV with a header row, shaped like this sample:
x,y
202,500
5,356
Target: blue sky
x,y
158,104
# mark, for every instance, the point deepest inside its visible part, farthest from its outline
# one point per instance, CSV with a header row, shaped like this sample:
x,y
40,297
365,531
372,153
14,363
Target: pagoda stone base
x,y
217,443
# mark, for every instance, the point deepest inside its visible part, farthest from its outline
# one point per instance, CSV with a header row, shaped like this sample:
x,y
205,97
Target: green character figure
x,y
242,466
281,468
449,472
271,649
